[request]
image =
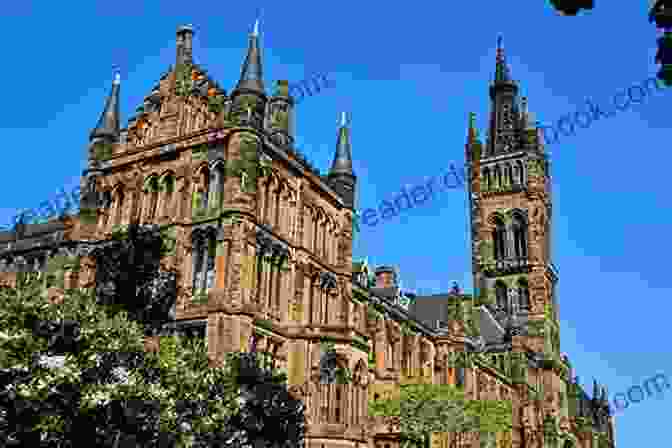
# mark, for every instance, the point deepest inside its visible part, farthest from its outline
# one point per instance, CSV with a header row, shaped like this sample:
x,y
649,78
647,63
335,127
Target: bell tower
x,y
510,196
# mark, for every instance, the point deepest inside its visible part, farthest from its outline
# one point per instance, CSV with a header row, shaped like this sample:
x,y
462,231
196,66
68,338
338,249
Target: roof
x,y
32,236
429,309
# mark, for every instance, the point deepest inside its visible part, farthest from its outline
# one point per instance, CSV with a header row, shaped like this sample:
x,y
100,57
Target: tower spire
x,y
108,123
504,116
341,175
251,75
343,157
501,69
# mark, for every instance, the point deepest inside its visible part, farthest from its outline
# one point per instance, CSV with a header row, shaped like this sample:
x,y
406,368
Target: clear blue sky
x,y
409,74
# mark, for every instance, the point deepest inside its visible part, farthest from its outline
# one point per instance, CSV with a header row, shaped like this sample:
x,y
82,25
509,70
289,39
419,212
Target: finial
x,y
117,75
472,119
500,49
344,119
255,32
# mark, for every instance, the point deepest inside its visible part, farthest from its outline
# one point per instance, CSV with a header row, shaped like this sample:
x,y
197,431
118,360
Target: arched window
x,y
169,183
198,255
119,205
217,184
520,168
516,174
519,237
501,295
205,188
523,294
497,177
107,201
499,239
153,189
486,178
508,174
210,268
459,377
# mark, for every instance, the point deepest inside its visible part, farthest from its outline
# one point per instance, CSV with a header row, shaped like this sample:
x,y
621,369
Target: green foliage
x,y
185,374
408,329
360,343
423,409
183,81
169,240
216,103
200,297
264,323
88,215
102,151
343,375
372,359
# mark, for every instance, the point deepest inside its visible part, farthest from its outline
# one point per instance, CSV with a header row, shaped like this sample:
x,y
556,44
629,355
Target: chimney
x,y
184,40
386,277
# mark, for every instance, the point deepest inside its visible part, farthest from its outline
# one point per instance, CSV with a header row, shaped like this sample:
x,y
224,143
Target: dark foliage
x,y
661,13
128,277
664,58
572,7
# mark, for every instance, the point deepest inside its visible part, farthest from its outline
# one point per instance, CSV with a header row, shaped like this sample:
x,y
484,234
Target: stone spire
x,y
502,74
185,35
108,124
341,175
473,140
504,115
343,157
251,75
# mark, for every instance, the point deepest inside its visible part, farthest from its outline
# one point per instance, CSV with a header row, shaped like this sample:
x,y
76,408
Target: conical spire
x,y
501,69
343,157
472,136
251,75
596,390
108,124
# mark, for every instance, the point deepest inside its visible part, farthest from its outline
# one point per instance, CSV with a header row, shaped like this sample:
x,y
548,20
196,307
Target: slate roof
x,y
429,309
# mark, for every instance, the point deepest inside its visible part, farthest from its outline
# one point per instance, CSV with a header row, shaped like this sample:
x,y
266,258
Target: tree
x,y
104,385
128,275
79,372
423,409
572,7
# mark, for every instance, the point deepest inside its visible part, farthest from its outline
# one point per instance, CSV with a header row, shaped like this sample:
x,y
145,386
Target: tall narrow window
x,y
459,377
153,197
519,237
501,295
119,206
486,178
107,201
498,176
499,239
508,174
198,263
205,188
523,294
210,269
520,173
168,204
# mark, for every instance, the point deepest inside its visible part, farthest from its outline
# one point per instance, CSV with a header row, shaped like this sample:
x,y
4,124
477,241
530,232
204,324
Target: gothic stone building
x,y
271,256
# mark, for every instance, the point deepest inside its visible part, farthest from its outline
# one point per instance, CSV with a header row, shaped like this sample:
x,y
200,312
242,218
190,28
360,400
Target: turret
x,y
107,129
280,115
504,116
185,36
102,137
249,97
341,176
